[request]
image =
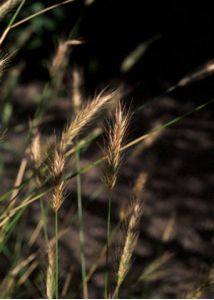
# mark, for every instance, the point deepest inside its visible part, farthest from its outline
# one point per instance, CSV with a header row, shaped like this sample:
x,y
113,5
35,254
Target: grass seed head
x,y
60,55
84,117
58,196
7,6
35,150
56,169
136,210
116,135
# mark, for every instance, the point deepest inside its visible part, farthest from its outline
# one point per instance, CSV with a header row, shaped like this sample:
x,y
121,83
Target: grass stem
x,y
81,228
56,257
44,225
108,236
12,20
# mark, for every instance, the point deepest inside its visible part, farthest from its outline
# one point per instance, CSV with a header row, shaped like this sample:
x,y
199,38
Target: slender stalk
x,y
81,226
40,12
43,215
108,237
56,257
6,31
116,293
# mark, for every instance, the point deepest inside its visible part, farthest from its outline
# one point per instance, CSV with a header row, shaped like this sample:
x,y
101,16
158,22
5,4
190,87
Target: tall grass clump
x,y
58,161
50,163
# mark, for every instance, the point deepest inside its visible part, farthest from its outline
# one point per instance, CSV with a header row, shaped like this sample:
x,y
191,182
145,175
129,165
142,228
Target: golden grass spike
x,y
7,6
84,117
57,164
60,55
57,168
136,211
35,150
50,278
58,196
116,137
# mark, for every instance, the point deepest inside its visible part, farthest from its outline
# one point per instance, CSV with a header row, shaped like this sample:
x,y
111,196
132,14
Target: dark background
x,y
112,29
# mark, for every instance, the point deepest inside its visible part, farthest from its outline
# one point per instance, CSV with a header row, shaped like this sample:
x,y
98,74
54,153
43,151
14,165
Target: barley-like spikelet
x,y
57,168
116,135
61,54
35,150
7,6
50,273
58,164
58,161
58,196
84,117
136,210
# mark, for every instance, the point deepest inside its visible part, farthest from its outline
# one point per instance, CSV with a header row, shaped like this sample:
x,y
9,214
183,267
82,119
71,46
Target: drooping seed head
x,y
60,55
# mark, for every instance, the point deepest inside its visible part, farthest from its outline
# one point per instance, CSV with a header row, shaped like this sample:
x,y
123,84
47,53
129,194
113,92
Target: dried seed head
x,y
58,196
57,164
7,6
139,184
116,136
58,161
136,210
60,55
56,169
84,117
35,150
